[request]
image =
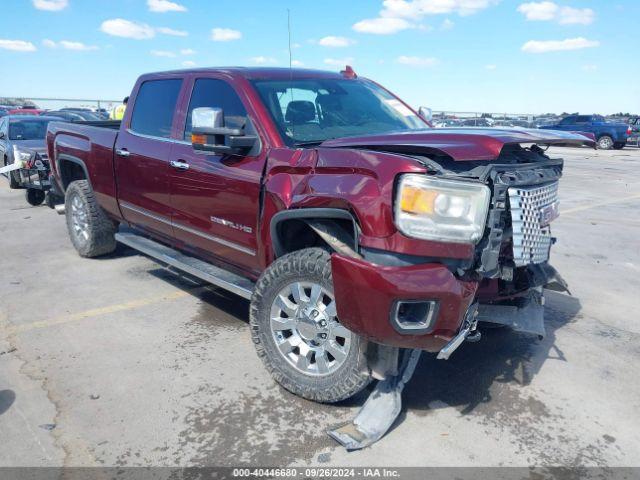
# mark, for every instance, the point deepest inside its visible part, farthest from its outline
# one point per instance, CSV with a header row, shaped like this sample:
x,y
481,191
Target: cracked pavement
x,y
117,361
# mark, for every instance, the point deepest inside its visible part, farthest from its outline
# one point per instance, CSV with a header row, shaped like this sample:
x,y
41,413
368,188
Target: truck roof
x,y
255,73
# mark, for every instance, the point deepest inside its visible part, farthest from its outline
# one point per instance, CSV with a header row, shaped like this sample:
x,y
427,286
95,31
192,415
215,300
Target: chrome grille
x,y
531,238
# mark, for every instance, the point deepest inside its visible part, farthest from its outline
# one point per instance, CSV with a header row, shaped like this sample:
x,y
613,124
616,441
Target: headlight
x,y
21,155
431,208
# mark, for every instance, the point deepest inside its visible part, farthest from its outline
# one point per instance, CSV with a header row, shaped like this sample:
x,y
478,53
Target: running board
x,y
205,271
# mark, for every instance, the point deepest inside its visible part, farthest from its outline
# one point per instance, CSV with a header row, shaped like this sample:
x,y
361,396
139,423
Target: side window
x,y
568,120
210,92
154,107
583,119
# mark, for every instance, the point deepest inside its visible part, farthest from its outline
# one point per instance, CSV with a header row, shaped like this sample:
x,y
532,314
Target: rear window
x,y
155,106
28,129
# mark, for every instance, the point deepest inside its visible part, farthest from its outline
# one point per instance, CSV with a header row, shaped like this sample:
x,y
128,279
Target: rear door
x,y
141,156
215,198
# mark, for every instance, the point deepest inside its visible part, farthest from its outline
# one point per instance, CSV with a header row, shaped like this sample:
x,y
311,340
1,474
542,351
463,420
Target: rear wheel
x,y
34,197
297,334
605,142
91,231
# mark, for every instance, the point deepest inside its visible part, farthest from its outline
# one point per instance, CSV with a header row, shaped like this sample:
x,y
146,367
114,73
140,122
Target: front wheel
x,y
297,333
14,176
605,142
91,231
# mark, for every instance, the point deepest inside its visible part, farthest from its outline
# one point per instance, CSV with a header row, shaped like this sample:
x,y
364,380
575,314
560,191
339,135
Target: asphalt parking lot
x,y
118,361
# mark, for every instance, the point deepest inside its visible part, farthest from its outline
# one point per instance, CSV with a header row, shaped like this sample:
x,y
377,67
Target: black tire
x,y
311,265
100,230
14,179
34,197
619,146
605,142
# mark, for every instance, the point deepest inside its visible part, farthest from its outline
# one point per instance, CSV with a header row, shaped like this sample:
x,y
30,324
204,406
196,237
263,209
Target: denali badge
x,y
235,226
549,213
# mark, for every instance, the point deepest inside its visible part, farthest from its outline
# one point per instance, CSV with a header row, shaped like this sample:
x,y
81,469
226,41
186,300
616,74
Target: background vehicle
x,y
634,123
354,229
476,122
75,115
608,134
26,111
450,122
22,137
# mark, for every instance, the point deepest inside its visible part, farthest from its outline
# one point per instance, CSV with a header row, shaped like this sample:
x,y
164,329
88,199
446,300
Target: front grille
x,y
531,238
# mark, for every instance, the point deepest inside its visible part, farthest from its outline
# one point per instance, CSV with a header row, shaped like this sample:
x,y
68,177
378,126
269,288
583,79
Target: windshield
x,y
314,110
28,129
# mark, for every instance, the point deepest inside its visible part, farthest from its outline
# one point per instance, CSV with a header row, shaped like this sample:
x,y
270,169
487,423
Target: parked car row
x,y
68,113
608,134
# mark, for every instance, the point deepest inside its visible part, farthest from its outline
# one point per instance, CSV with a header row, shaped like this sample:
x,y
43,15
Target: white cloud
x,y
421,62
51,5
162,6
382,26
188,63
398,15
539,10
337,42
538,46
590,68
187,51
119,27
297,63
69,45
550,11
17,45
582,16
225,34
260,60
447,24
162,53
172,32
339,62
419,8
490,66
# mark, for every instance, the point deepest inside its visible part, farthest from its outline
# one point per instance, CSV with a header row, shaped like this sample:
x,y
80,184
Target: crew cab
x,y
608,134
354,229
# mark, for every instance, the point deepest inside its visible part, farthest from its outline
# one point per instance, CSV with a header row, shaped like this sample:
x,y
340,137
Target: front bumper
x,y
366,294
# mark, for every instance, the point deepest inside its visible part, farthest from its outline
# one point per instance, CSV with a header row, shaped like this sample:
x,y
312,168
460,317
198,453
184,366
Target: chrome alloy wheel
x,y
306,330
79,219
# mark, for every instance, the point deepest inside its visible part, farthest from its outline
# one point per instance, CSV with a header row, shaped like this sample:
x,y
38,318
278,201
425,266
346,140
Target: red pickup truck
x,y
354,229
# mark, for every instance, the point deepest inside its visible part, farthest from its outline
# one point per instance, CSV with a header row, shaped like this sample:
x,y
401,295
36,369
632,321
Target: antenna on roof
x,y
289,31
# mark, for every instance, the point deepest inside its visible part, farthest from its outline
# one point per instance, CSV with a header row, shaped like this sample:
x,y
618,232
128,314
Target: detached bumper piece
x,y
527,317
380,410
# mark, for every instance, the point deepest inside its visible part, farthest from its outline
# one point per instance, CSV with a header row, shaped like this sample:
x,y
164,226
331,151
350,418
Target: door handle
x,y
179,164
122,152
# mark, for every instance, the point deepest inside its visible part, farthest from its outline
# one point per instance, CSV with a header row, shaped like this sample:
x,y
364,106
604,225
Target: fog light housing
x,y
414,317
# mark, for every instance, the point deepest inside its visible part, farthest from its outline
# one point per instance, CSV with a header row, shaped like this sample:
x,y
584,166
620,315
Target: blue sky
x,y
463,55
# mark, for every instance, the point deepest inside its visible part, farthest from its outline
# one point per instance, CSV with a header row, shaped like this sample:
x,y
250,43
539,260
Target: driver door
x,y
215,198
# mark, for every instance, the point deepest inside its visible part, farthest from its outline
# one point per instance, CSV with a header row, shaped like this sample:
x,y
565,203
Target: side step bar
x,y
205,271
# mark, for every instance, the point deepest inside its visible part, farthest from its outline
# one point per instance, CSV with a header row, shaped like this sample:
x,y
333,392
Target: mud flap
x,y
380,410
528,318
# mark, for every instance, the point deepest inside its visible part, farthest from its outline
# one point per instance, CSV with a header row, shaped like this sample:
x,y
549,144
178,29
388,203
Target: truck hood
x,y
461,144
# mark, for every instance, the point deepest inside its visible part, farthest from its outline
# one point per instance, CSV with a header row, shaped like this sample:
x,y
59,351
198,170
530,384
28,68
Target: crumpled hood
x,y
461,144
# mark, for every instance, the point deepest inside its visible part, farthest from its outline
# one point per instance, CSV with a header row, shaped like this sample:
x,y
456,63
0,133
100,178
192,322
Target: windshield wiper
x,y
308,143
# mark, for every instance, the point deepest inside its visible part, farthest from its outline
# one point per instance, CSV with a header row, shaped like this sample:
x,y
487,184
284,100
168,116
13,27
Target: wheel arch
x,y
71,168
335,227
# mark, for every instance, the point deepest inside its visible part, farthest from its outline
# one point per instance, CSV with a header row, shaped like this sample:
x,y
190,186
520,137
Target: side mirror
x,y
426,113
1,134
208,134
